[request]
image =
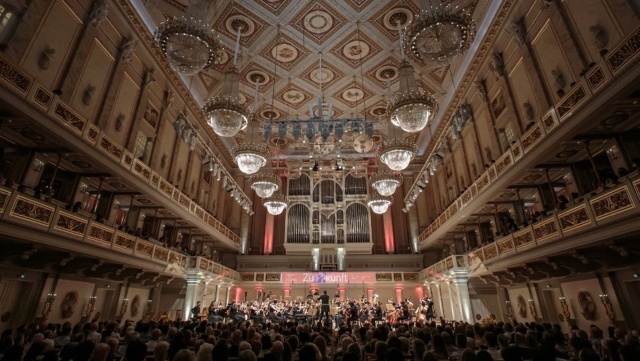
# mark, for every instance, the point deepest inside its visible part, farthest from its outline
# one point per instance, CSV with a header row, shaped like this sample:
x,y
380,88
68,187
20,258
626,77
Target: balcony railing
x,y
598,78
607,207
36,214
44,100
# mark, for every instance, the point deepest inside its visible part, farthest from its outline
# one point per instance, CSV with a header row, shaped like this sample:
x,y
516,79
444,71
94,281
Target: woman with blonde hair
x,y
205,352
161,351
321,343
101,352
184,355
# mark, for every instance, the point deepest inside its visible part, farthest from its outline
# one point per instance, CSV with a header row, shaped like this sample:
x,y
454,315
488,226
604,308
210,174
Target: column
x,y
238,294
313,288
370,293
420,292
342,290
287,292
190,296
217,293
389,239
440,304
267,246
259,292
228,294
398,294
459,284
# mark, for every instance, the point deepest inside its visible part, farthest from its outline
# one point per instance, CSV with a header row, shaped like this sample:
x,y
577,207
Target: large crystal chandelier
x,y
225,115
411,109
439,34
396,152
385,183
378,203
188,42
276,204
265,184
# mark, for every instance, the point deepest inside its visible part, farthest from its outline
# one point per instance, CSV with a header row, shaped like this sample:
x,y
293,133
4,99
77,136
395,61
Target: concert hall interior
x,y
479,155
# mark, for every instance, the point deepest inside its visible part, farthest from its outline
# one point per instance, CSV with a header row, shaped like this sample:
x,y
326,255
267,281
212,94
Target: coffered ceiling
x,y
280,45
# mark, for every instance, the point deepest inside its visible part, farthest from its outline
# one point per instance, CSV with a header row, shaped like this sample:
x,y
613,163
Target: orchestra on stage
x,y
317,307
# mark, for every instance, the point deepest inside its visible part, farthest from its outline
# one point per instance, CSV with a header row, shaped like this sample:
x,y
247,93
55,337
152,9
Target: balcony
x,y
540,137
70,230
612,212
60,117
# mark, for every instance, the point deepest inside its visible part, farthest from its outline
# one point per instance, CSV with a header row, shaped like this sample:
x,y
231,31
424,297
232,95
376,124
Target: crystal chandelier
x,y
225,115
189,44
378,203
410,109
265,184
397,152
438,35
276,204
250,157
385,182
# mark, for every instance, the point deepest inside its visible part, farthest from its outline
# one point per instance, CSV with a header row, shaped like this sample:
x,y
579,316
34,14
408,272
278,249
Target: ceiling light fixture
x,y
188,42
276,204
438,35
396,151
385,182
225,115
378,203
411,109
265,184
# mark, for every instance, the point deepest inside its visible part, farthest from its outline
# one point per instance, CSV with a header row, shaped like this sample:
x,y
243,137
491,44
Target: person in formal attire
x,y
212,315
353,311
405,312
324,308
195,312
430,310
377,313
273,312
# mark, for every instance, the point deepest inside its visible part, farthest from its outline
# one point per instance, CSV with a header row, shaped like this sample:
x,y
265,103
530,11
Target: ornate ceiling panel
x,y
281,40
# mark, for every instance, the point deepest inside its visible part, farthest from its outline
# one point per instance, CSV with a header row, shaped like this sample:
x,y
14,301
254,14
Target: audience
x,y
290,341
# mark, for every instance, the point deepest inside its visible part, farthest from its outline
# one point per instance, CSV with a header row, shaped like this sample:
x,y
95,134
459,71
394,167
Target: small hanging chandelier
x,y
385,183
188,42
225,115
276,204
439,34
265,184
396,152
378,203
250,157
411,109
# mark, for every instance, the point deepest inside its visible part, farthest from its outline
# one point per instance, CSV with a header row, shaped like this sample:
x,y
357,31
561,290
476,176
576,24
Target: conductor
x,y
324,310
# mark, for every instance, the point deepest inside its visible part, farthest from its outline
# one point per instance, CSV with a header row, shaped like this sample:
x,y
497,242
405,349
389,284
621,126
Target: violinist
x,y
212,315
274,312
